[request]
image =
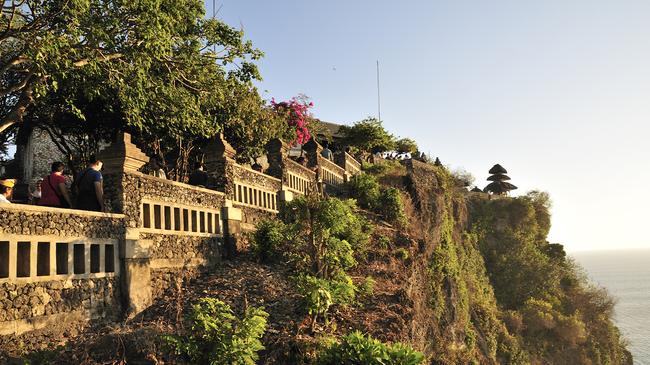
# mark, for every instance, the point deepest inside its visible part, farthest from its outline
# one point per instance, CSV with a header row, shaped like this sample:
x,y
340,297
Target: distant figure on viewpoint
x,y
198,176
53,190
90,187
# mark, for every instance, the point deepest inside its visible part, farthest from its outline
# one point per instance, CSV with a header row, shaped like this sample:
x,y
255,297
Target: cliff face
x,y
457,317
488,288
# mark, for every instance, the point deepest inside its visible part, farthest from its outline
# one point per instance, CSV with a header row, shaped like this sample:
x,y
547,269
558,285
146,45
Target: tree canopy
x,y
156,68
367,135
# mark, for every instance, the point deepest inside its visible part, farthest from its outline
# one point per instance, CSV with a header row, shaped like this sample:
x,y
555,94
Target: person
x,y
302,160
38,189
6,189
54,192
327,153
198,176
156,169
90,187
257,167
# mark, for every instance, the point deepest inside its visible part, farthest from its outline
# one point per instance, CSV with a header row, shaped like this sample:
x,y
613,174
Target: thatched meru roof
x,y
476,190
499,187
497,169
437,162
498,177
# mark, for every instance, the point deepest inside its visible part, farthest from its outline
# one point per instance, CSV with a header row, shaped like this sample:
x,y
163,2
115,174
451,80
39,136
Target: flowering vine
x,y
297,113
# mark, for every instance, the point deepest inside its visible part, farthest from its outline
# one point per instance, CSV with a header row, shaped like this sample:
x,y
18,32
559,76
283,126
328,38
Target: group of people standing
x,y
86,193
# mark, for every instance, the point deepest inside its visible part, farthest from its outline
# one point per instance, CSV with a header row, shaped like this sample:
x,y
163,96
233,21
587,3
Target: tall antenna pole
x,y
214,16
378,96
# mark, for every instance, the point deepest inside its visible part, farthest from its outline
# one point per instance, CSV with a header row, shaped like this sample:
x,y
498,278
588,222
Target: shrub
x,y
402,253
368,286
355,348
217,336
320,294
391,205
383,242
365,189
268,239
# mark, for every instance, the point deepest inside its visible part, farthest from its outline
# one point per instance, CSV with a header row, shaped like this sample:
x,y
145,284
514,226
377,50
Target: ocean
x,y
626,275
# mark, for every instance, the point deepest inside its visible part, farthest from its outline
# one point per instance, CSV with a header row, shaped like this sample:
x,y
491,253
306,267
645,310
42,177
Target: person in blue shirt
x,y
90,187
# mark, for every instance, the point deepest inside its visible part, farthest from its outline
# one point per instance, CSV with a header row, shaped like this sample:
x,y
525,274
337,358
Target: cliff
x,y
467,279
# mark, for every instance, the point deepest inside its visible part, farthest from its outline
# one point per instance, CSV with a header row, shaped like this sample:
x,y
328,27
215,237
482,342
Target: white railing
x,y
30,258
172,218
256,197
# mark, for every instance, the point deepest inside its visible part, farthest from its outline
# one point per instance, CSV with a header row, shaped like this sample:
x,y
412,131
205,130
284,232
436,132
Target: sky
x,y
555,91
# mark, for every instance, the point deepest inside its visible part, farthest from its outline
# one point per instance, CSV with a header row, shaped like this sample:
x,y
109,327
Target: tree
x,y
406,145
155,68
367,135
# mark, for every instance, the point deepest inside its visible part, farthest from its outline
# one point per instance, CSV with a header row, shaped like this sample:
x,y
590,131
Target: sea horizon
x,y
625,274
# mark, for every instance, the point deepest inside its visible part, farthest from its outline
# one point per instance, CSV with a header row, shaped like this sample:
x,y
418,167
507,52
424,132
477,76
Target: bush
x,y
365,189
383,242
268,239
320,294
217,336
391,205
368,286
355,348
402,253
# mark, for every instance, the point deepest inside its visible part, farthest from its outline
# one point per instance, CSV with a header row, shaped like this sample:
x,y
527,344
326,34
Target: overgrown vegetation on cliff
x,y
545,300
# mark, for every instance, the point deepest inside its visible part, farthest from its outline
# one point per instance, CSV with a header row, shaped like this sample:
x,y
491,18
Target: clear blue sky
x,y
556,91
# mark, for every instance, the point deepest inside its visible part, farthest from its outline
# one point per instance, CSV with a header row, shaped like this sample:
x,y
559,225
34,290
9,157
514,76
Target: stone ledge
x,y
20,326
175,183
25,208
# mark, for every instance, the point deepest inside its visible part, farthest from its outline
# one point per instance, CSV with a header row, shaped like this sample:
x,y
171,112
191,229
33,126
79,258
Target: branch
x,y
16,87
16,61
105,58
17,112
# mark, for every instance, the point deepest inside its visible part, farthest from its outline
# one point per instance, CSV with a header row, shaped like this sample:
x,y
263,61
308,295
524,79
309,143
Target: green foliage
x,y
355,348
86,69
406,145
392,207
320,238
367,287
383,242
217,336
557,315
367,135
385,201
402,253
268,239
365,189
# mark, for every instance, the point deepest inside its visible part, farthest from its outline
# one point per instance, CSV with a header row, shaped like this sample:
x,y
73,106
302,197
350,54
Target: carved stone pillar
x,y
276,154
219,163
313,150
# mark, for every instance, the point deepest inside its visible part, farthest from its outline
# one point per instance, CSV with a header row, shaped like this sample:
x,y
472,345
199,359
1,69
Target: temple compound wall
x,y
65,267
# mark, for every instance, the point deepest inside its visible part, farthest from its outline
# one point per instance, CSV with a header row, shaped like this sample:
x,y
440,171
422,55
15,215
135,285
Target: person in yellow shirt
x,y
6,189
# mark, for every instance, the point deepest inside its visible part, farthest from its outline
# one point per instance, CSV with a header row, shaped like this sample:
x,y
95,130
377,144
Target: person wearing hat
x,y
6,189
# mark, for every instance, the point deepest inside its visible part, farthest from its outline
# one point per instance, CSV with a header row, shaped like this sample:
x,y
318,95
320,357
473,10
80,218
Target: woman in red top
x,y
53,191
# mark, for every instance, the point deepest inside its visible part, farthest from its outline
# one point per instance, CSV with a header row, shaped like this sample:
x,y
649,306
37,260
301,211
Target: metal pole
x,y
378,96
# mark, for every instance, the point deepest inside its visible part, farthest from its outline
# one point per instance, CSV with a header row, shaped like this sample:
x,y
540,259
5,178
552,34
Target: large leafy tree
x,y
84,69
367,135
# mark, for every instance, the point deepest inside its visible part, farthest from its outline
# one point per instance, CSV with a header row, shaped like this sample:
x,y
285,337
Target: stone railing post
x,y
232,231
136,278
120,158
313,150
276,154
219,164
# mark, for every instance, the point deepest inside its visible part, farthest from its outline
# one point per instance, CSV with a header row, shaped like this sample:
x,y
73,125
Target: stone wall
x,y
28,306
55,262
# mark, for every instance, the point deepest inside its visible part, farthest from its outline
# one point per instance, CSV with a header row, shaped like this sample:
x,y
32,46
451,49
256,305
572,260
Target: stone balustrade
x,y
63,262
